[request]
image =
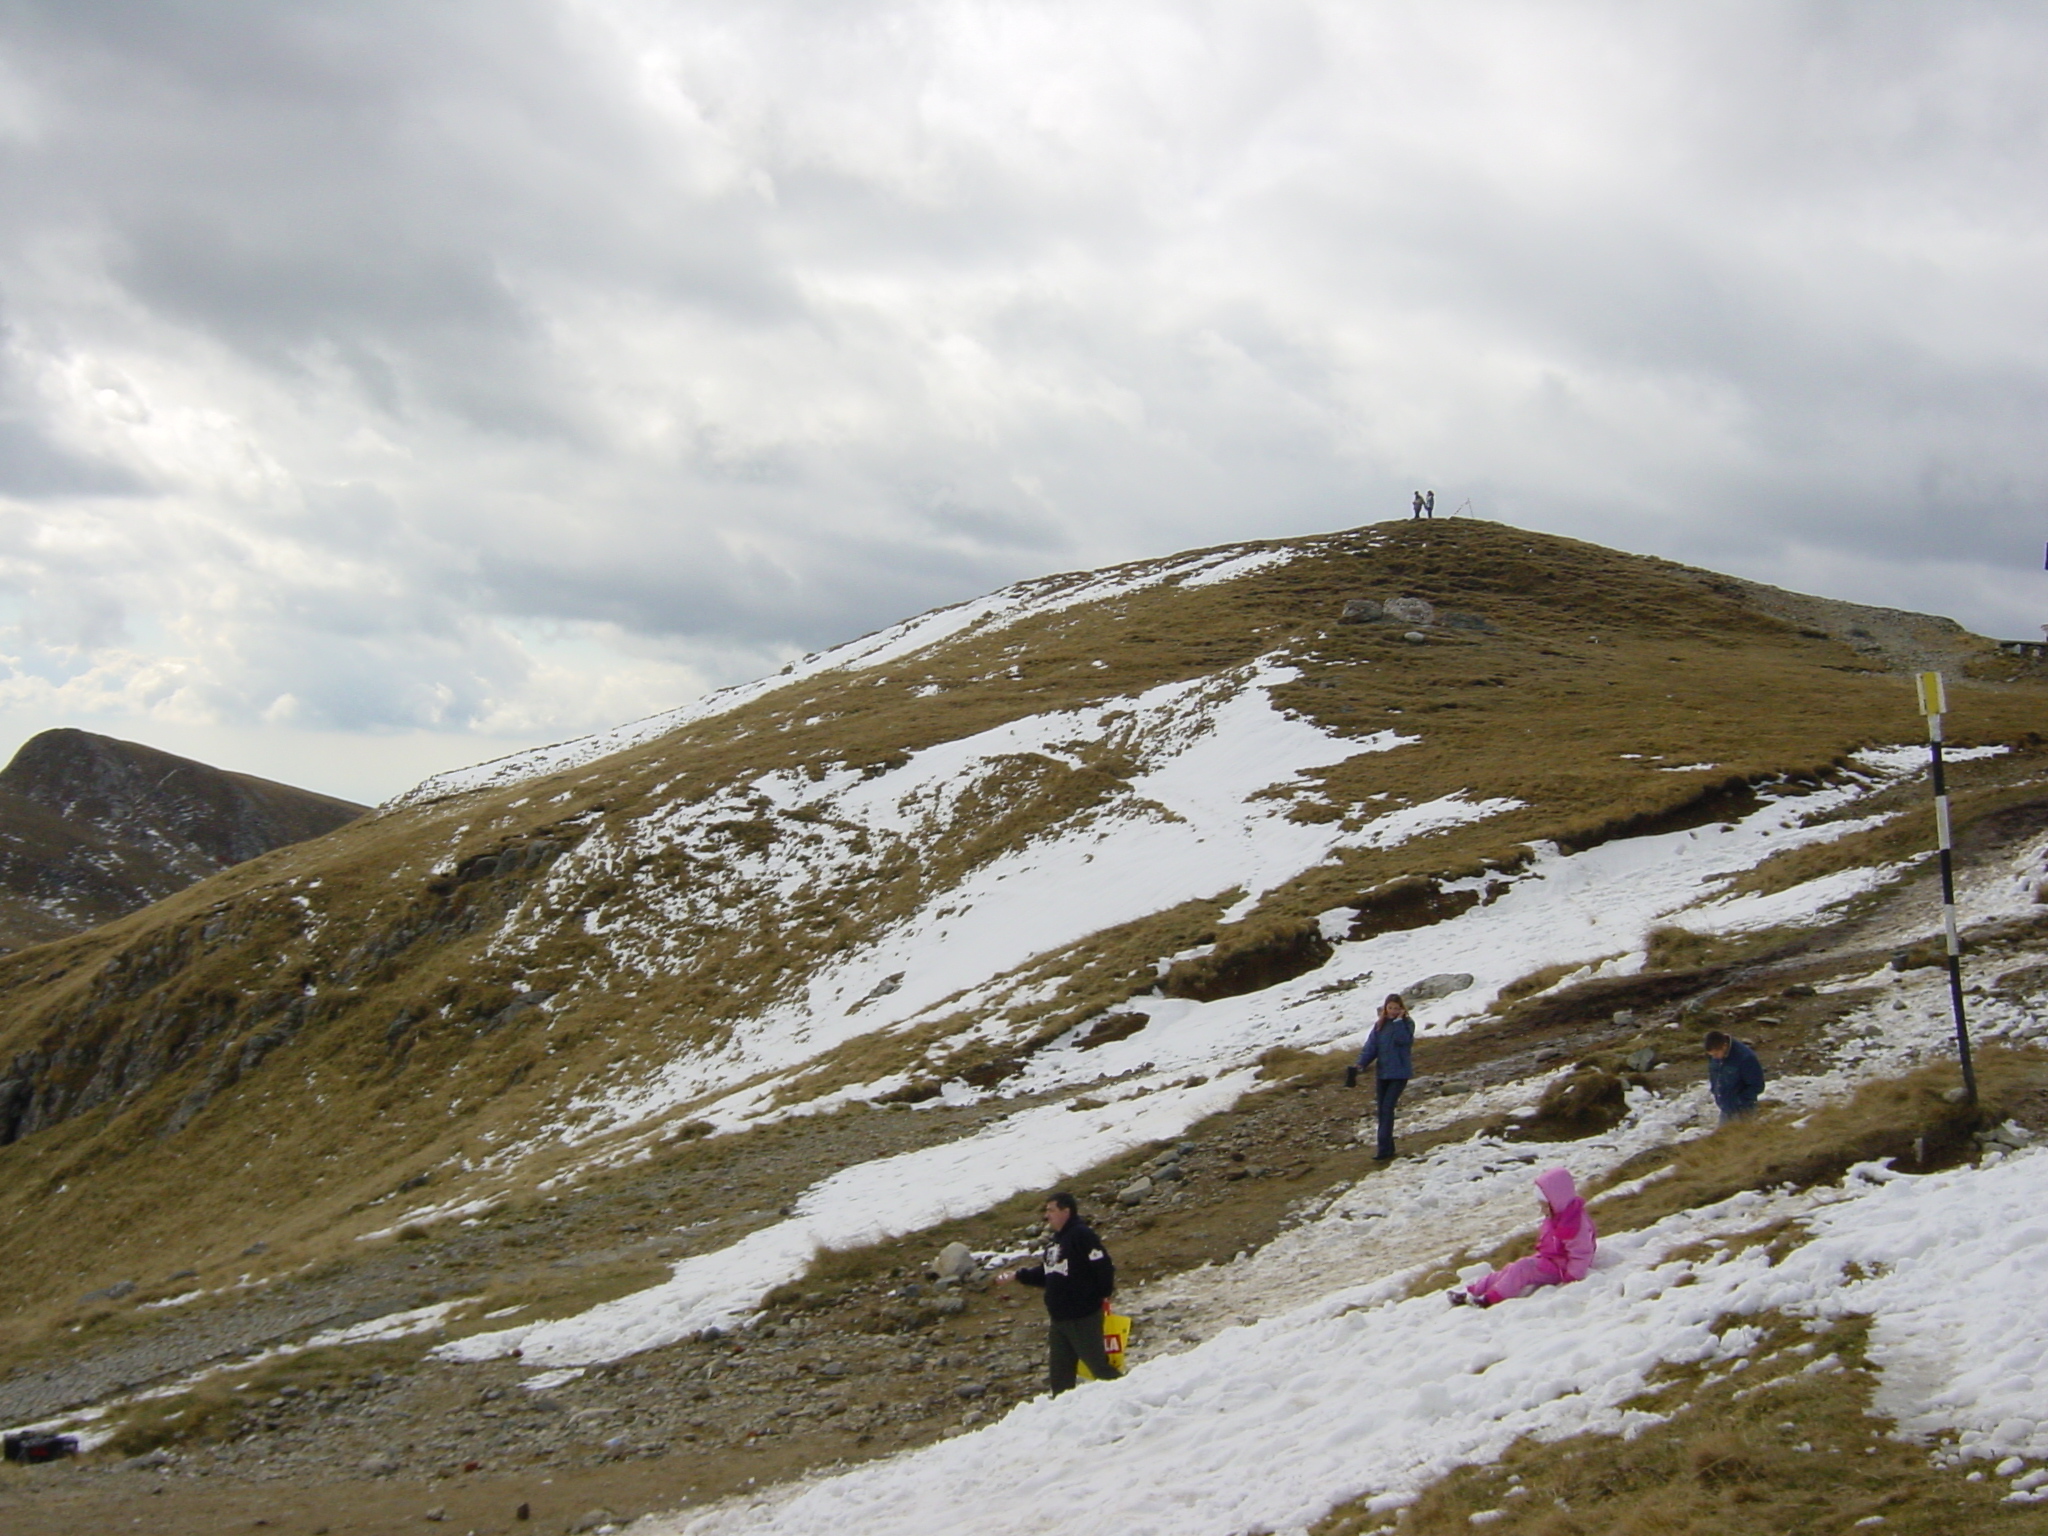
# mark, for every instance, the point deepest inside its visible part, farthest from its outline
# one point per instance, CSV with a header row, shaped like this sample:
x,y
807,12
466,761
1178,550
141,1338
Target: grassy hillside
x,y
452,990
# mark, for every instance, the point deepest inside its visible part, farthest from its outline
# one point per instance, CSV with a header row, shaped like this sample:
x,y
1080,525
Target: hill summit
x,y
92,827
1045,887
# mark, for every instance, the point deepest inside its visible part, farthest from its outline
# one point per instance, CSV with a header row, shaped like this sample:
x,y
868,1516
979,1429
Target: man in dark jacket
x,y
1735,1076
1077,1277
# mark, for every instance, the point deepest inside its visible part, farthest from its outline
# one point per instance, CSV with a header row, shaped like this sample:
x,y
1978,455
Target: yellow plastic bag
x,y
1116,1338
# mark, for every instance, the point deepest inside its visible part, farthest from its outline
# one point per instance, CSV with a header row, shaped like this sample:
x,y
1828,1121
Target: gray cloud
x,y
500,370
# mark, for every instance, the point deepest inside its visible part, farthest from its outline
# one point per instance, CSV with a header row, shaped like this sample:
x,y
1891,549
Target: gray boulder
x,y
1361,610
1641,1059
955,1262
1430,988
1135,1193
1410,610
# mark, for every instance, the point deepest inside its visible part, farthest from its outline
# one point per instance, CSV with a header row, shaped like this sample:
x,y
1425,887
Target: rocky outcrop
x,y
91,828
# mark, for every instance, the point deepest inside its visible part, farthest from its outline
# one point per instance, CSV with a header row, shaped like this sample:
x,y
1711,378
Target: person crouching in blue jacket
x,y
1734,1074
1388,1049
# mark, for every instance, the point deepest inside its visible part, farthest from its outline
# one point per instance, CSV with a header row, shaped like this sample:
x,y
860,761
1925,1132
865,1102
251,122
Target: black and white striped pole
x,y
1934,704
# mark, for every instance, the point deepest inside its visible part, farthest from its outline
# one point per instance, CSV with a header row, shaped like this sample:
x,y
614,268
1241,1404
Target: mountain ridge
x,y
744,916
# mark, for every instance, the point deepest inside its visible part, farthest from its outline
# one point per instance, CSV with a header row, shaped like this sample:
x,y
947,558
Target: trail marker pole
x,y
1933,704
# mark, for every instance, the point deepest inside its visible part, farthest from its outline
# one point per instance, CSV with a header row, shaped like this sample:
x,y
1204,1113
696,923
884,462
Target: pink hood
x,y
1567,1237
1557,1187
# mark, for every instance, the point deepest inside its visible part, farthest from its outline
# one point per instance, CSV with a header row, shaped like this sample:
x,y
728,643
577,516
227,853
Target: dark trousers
x,y
1077,1340
1389,1095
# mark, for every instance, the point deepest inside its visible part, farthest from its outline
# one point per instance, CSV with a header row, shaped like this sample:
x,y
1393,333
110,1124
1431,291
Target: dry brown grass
x,y
398,1065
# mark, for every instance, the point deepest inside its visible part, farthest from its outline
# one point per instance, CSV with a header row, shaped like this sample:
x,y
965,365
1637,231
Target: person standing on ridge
x,y
1388,1051
1077,1276
1429,504
1418,506
1734,1074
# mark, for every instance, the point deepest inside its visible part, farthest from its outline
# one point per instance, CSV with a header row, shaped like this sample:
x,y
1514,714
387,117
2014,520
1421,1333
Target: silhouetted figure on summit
x,y
1429,504
1418,506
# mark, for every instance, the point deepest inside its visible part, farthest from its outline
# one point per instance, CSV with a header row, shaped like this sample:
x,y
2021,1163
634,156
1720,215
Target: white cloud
x,y
470,369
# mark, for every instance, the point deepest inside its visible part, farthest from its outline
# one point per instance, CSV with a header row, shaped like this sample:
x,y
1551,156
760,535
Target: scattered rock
x,y
1410,610
1642,1059
378,1465
438,1513
1416,637
1800,989
1625,1018
1361,610
1136,1192
120,1290
1430,988
955,1262
595,1520
970,1389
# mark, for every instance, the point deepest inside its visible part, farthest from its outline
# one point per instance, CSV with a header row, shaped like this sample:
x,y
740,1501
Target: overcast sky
x,y
386,385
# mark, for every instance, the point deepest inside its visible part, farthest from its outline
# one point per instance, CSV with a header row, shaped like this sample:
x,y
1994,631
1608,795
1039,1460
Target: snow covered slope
x,y
1097,835
1369,1393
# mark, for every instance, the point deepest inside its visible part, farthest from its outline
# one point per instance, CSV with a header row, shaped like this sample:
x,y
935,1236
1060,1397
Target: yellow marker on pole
x,y
1934,704
1933,697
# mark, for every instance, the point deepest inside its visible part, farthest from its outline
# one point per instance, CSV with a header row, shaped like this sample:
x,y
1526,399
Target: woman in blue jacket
x,y
1388,1050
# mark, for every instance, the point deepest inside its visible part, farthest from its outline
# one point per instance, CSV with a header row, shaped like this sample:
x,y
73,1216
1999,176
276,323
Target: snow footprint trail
x,y
1362,1395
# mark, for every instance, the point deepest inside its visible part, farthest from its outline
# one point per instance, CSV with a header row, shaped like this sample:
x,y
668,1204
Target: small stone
x,y
1416,637
378,1465
955,1262
1625,1018
831,1369
1361,610
970,1389
1410,610
1641,1059
1135,1193
595,1520
1800,989
1956,1095
438,1513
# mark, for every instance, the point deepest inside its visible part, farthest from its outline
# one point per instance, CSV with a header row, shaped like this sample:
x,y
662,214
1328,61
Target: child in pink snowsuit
x,y
1564,1248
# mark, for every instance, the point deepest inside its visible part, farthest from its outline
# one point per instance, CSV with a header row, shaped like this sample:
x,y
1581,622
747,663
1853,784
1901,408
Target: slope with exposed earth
x,y
584,1053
